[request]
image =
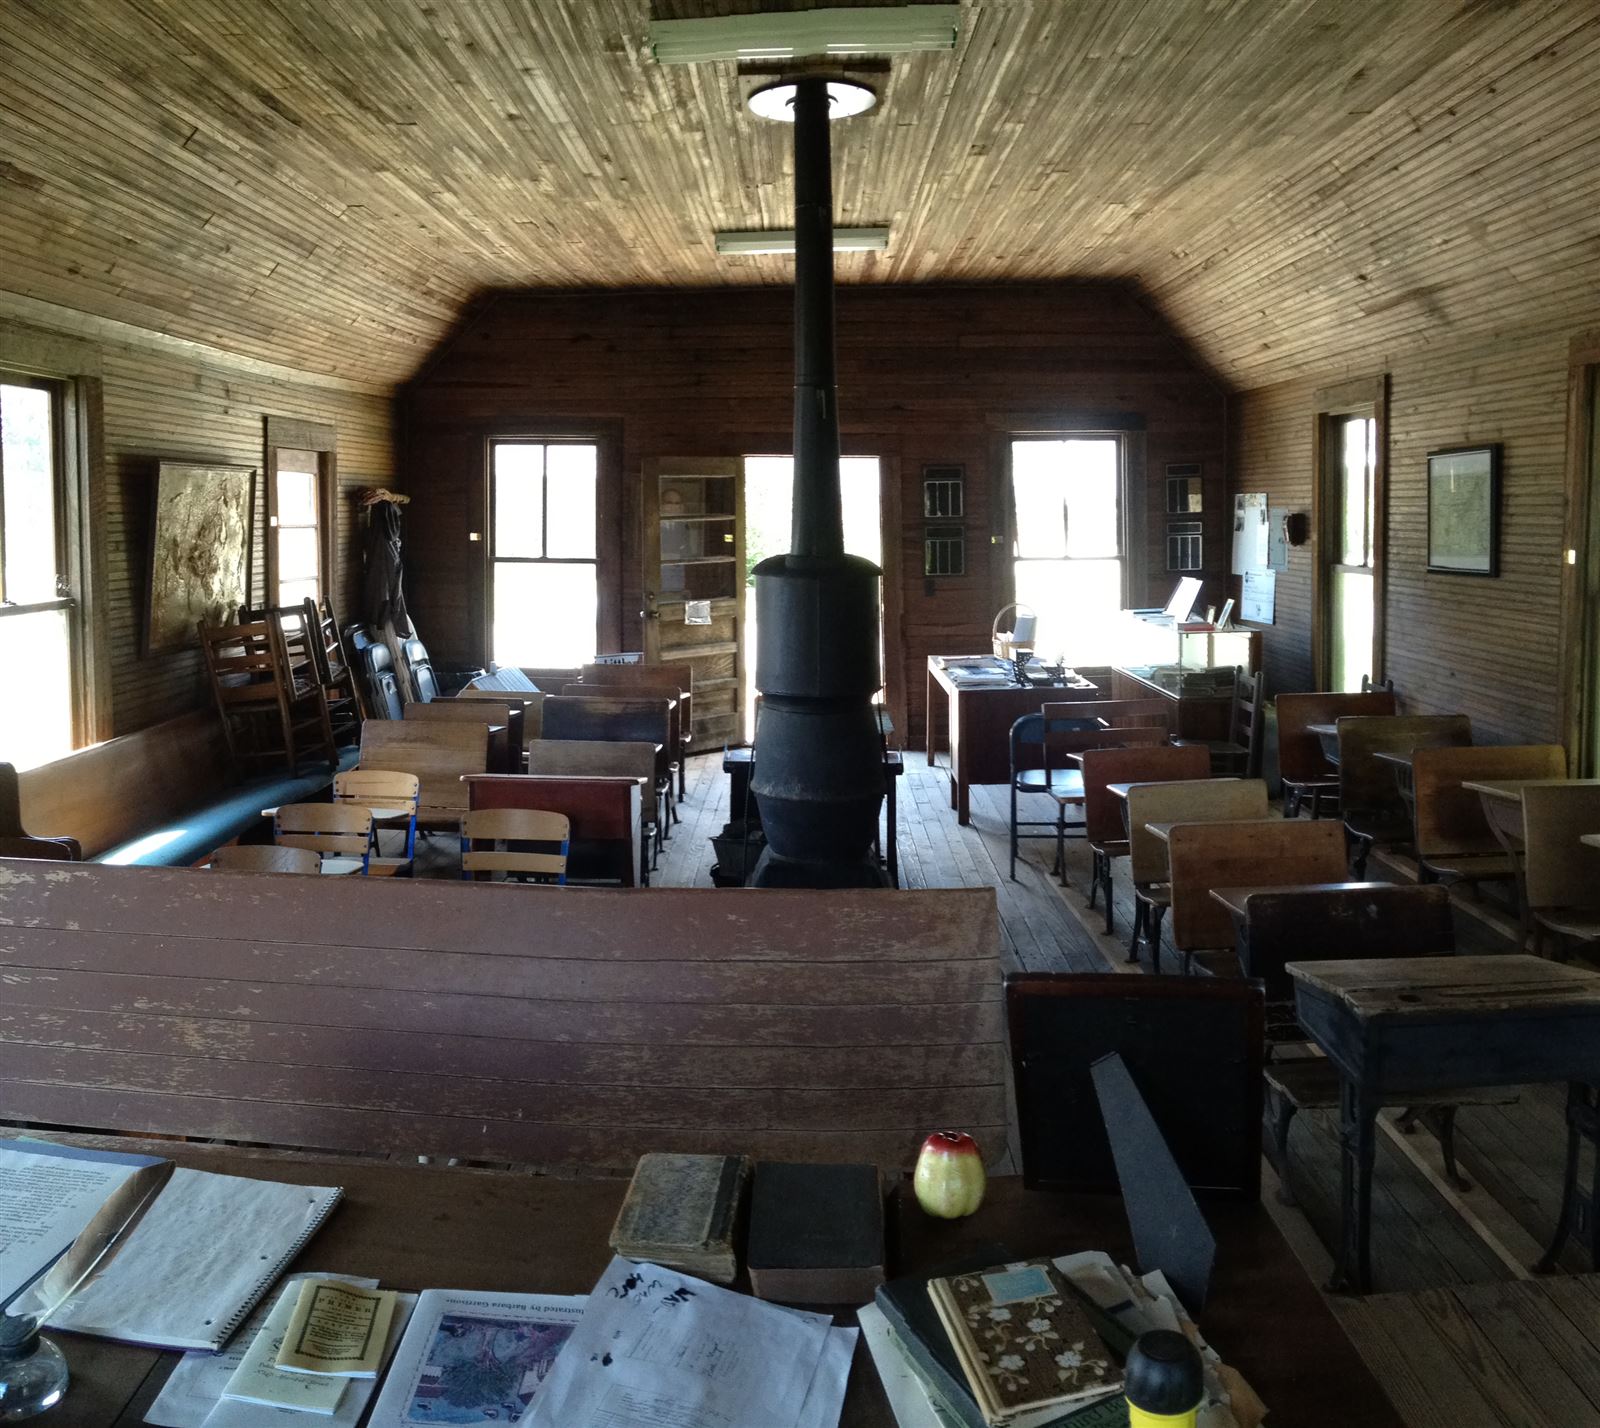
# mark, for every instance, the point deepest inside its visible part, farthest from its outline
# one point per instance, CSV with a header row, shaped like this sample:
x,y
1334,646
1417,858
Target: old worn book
x,y
682,1211
337,1330
1023,1340
816,1233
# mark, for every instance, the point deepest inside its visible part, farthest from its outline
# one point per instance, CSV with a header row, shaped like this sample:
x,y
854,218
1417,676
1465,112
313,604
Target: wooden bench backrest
x,y
1450,818
562,1027
635,719
532,706
1328,924
437,753
666,692
1299,752
1167,763
1368,783
461,711
676,679
115,791
1561,871
1269,852
595,758
1204,800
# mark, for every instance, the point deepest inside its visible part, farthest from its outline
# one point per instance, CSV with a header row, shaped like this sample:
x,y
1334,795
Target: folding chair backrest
x,y
414,654
1249,716
1561,871
1266,852
1366,782
1206,800
515,825
377,788
1450,819
1300,755
1193,1046
1165,763
264,858
342,830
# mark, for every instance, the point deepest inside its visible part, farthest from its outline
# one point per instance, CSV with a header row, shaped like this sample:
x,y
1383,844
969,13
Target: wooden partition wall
x,y
927,375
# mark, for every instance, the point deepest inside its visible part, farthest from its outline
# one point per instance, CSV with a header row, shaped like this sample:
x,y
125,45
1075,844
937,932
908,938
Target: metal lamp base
x,y
33,1379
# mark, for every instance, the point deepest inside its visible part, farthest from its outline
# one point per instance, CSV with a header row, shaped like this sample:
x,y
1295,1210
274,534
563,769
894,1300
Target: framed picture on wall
x,y
200,551
1464,510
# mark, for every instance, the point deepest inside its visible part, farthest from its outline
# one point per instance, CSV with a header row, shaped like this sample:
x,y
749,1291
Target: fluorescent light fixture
x,y
781,240
798,34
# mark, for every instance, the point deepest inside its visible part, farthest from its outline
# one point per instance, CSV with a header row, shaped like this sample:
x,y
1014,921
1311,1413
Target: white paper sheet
x,y
202,1258
47,1195
824,1400
520,1334
659,1349
908,1399
195,1385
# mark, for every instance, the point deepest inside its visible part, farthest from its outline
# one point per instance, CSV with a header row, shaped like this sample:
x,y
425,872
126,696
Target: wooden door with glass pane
x,y
694,580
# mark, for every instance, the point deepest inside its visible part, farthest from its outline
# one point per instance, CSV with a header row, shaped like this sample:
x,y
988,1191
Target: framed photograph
x,y
200,551
1464,510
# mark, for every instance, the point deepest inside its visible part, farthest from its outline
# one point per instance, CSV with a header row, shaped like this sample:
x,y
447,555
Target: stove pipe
x,y
818,773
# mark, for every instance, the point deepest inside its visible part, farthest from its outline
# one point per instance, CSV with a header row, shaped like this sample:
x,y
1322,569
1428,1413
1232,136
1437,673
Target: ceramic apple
x,y
949,1178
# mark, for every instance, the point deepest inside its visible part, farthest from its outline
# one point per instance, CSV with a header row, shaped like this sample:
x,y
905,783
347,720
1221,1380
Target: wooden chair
x,y
1454,842
1374,808
607,758
1302,765
381,792
1197,801
515,826
1239,755
676,678
264,858
266,709
340,832
1271,852
1562,874
1194,1048
334,667
1104,825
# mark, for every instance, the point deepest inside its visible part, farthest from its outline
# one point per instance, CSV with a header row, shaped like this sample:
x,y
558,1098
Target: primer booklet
x,y
475,1357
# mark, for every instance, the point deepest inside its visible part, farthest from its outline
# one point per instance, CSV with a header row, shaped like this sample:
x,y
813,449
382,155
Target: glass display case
x,y
1191,663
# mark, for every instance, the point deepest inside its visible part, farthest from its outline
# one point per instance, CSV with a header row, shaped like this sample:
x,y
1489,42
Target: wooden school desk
x,y
420,1227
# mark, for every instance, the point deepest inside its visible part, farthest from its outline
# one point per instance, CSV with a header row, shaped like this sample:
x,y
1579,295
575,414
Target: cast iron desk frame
x,y
1406,1025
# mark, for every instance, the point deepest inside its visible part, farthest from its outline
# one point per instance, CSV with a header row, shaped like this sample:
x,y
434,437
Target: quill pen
x,y
95,1247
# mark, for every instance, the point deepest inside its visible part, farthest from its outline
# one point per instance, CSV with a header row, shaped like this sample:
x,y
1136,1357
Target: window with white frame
x,y
38,615
543,552
1067,547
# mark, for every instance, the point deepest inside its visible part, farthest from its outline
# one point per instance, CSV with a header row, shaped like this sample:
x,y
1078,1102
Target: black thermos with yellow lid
x,y
1164,1381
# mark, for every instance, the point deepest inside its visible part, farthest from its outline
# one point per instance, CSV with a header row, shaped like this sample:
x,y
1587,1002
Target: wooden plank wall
x,y
1485,648
384,1015
926,375
159,405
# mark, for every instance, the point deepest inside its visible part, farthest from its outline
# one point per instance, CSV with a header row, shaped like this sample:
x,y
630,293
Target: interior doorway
x,y
768,512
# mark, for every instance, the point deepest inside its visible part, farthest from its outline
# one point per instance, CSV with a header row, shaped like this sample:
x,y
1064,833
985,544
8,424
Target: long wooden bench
x,y
161,795
557,1027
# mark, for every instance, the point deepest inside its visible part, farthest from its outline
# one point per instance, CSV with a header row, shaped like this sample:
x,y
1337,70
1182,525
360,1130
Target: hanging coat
x,y
383,592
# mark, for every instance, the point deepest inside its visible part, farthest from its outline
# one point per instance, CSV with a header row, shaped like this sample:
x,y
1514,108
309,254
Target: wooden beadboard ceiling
x,y
327,183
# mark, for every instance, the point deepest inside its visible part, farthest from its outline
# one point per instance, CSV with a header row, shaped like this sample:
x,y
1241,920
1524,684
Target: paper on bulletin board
x,y
697,612
1259,606
1249,531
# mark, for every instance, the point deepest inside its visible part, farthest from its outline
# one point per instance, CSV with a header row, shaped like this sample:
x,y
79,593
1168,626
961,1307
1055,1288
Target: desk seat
x,y
1054,783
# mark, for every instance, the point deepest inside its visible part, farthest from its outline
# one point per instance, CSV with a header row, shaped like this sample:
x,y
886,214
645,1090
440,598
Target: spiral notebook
x,y
200,1261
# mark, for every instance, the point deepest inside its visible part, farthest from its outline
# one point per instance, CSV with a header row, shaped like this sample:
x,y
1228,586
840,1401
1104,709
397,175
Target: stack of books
x,y
1030,1344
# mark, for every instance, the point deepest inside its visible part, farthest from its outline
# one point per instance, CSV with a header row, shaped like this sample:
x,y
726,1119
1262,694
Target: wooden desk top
x,y
1399,758
1237,900
1424,987
419,1227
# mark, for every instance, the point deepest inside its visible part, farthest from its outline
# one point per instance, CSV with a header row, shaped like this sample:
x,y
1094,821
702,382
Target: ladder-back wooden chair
x,y
335,668
269,713
1239,755
508,831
